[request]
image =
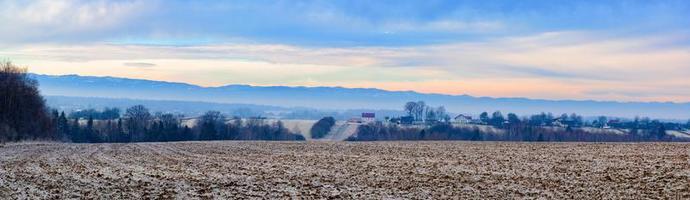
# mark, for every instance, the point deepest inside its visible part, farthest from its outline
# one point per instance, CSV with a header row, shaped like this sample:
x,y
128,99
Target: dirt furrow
x,y
233,169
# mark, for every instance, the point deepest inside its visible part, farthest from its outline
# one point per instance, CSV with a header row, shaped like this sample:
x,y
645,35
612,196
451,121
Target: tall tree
x,y
601,121
322,127
410,108
23,114
430,115
497,119
110,113
576,120
90,133
484,117
211,124
442,114
75,132
169,125
63,126
513,118
420,110
138,118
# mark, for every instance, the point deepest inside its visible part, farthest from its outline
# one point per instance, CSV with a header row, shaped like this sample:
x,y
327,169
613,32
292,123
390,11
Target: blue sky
x,y
355,23
603,50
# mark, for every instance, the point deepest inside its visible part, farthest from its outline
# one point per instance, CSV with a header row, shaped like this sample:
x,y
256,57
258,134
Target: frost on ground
x,y
200,170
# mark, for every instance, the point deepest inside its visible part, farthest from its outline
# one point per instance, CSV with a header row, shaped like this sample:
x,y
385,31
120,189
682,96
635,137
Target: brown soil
x,y
202,170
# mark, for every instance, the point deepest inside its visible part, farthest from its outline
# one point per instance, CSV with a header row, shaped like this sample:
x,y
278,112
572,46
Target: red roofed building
x,y
368,117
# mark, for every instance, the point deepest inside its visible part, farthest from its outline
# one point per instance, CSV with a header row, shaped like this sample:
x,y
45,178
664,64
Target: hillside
x,y
341,98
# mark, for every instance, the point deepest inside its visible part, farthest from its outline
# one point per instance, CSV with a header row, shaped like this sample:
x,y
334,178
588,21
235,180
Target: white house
x,y
559,122
462,119
368,117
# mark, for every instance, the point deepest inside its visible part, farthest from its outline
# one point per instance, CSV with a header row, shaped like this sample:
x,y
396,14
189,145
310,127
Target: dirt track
x,y
345,170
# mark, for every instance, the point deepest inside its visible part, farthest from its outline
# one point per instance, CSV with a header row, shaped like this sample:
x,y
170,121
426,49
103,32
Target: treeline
x,y
139,125
24,116
421,112
106,114
382,132
638,128
511,127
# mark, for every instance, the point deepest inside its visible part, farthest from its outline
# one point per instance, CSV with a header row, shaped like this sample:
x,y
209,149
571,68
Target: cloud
x,y
65,20
139,64
442,26
561,65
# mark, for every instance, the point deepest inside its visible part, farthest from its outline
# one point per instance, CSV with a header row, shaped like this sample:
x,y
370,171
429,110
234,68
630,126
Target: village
x,y
496,123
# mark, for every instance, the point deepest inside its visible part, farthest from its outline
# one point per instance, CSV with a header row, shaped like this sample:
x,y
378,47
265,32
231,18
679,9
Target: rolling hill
x,y
332,98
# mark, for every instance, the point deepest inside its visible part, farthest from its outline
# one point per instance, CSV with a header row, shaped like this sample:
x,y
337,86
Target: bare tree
x,y
211,125
410,108
420,110
442,115
137,119
430,115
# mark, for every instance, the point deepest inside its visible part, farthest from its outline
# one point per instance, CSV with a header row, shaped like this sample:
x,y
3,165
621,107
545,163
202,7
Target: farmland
x,y
227,169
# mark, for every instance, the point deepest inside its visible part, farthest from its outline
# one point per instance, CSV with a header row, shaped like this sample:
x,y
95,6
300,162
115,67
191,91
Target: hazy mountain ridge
x,y
341,98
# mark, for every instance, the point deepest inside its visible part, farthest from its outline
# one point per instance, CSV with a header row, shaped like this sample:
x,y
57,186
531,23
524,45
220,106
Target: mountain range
x,y
334,98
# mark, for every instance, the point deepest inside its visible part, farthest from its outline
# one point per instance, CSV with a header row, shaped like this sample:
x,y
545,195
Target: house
x,y
406,120
462,119
368,117
559,122
614,123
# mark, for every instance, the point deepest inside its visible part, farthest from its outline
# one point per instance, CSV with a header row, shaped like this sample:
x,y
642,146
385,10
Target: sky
x,y
583,50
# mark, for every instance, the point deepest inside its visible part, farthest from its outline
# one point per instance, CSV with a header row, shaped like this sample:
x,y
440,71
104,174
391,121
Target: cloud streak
x,y
139,64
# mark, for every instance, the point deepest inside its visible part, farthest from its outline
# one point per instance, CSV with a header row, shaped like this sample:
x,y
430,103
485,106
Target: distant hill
x,y
341,98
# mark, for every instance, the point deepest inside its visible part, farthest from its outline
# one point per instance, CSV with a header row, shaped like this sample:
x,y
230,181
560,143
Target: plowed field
x,y
229,169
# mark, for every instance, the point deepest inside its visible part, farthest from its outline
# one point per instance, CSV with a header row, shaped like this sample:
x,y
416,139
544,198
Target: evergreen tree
x,y
75,131
63,126
513,119
186,134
